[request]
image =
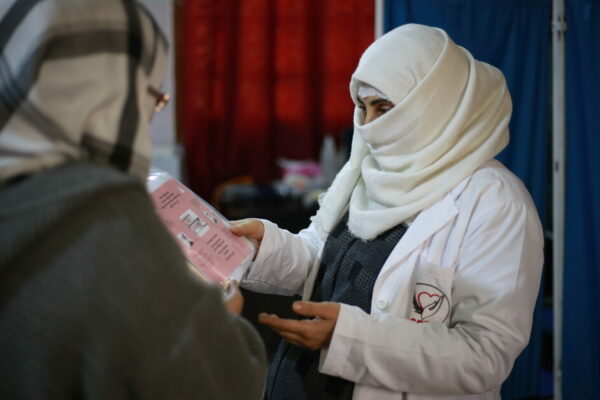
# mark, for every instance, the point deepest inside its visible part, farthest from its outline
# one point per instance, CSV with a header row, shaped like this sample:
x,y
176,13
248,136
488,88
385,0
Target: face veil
x,y
450,116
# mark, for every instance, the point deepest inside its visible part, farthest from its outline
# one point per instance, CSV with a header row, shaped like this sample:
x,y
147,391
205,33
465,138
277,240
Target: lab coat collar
x,y
426,224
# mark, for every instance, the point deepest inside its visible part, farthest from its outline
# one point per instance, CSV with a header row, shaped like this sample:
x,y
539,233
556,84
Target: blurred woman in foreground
x,y
97,301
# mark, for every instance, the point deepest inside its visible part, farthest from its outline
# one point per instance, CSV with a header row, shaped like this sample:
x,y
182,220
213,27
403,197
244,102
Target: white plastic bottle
x,y
328,160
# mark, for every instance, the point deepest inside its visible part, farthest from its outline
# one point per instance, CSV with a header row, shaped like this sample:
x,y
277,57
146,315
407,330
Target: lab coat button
x,y
382,304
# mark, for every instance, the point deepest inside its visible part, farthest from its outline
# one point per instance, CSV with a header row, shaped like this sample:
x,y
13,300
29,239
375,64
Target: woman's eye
x,y
383,109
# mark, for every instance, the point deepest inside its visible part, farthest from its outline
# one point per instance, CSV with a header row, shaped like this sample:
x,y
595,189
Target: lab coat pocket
x,y
432,290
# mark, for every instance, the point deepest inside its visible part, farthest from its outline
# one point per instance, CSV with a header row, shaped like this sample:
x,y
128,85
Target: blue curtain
x,y
513,35
581,321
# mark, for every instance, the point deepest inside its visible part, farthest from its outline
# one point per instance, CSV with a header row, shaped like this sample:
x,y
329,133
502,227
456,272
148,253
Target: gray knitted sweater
x,y
96,301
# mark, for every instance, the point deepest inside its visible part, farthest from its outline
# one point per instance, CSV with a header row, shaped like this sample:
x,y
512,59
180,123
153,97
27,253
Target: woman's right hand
x,y
234,301
253,229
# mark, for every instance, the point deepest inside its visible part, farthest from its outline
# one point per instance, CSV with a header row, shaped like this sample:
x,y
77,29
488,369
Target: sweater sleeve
x,y
155,331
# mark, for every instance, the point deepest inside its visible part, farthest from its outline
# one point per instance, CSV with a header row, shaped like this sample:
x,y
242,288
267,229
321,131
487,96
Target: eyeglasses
x,y
161,98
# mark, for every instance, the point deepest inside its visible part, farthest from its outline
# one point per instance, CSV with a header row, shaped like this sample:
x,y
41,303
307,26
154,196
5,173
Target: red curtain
x,y
263,79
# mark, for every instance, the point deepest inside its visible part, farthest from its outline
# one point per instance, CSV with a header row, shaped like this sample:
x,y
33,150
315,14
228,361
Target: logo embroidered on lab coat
x,y
429,304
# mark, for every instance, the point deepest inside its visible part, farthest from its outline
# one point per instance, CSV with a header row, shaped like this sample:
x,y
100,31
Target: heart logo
x,y
429,304
428,300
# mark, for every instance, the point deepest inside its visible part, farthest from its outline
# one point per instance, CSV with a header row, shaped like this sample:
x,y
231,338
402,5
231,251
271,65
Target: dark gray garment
x,y
348,271
96,301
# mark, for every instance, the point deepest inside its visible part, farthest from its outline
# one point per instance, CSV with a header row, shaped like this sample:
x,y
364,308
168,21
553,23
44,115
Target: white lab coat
x,y
452,306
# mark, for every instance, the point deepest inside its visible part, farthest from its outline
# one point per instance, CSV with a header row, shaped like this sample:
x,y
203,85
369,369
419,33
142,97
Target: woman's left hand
x,y
312,333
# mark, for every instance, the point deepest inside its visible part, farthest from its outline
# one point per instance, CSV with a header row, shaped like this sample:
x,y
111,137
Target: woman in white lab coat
x,y
420,271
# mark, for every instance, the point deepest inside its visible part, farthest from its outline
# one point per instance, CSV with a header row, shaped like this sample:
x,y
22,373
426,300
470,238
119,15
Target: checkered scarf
x,y
74,81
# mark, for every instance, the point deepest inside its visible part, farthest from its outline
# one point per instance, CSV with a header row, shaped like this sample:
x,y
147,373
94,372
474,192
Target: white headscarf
x,y
74,79
450,115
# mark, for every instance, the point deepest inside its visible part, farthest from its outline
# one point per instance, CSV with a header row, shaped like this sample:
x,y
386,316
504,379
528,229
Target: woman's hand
x,y
313,333
253,229
234,301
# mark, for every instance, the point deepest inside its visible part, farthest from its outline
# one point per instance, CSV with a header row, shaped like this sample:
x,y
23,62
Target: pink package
x,y
203,233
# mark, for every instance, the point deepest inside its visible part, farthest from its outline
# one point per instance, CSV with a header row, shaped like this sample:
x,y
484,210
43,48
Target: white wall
x,y
166,153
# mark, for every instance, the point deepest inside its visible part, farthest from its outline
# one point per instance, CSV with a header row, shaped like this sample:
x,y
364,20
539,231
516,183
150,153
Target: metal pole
x,y
379,10
559,29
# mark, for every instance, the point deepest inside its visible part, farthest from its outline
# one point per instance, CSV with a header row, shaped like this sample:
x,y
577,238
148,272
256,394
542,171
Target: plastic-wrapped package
x,y
213,252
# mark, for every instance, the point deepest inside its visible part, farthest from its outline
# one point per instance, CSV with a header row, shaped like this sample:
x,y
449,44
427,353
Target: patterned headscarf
x,y
75,83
